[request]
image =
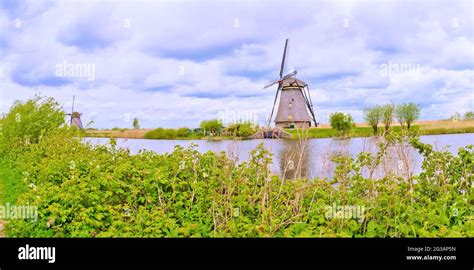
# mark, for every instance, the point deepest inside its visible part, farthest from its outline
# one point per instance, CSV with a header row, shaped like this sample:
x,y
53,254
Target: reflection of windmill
x,y
295,108
75,116
294,159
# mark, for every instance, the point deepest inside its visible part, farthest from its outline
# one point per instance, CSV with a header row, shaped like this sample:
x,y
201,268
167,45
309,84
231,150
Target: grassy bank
x,y
447,127
329,132
422,128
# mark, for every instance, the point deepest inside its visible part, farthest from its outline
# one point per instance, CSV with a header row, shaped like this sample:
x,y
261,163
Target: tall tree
x,y
407,113
136,124
212,126
387,115
373,116
469,116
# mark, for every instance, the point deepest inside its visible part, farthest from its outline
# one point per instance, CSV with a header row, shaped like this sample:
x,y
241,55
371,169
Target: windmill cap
x,y
293,82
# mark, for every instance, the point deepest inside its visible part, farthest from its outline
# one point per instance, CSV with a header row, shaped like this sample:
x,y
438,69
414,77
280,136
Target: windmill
x,y
75,116
295,108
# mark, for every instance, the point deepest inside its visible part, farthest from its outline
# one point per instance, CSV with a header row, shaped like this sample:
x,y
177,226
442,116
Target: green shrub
x,y
110,193
103,191
341,122
168,133
183,132
157,133
244,129
28,122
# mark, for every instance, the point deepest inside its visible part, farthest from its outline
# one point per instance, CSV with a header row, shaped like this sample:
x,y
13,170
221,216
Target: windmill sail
x,y
283,60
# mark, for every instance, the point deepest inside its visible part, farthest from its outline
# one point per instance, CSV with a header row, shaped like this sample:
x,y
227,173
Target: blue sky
x,y
175,63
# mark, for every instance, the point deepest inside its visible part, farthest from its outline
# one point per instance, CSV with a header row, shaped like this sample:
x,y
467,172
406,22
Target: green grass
x,y
170,134
330,132
10,183
368,131
98,134
436,131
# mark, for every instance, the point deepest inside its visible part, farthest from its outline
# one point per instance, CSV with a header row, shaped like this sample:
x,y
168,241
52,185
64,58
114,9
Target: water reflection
x,y
294,159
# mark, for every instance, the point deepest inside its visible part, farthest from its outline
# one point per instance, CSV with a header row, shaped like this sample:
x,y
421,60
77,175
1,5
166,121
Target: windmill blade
x,y
283,61
271,84
289,75
274,102
310,106
311,103
282,79
72,110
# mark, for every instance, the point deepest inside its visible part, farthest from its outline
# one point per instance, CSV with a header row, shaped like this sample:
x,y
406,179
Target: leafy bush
x,y
28,122
103,191
110,193
244,129
341,122
169,133
159,133
183,132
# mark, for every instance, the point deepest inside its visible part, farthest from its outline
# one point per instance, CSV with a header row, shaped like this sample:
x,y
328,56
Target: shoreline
x,y
361,130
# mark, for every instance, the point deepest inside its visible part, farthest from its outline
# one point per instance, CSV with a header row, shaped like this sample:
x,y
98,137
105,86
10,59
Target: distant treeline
x,y
208,129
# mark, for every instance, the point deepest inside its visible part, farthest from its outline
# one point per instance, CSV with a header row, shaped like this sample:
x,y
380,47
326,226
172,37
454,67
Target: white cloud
x,y
176,63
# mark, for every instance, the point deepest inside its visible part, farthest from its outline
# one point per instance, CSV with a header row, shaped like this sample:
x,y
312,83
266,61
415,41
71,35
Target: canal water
x,y
297,158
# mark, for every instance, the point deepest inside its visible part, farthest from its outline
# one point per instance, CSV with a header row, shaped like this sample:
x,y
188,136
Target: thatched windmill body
x,y
295,109
75,116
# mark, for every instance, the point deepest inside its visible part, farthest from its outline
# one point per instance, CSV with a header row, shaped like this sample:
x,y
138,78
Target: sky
x,y
175,63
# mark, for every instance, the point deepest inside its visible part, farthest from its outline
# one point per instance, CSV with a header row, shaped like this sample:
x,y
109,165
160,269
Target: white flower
x,y
32,186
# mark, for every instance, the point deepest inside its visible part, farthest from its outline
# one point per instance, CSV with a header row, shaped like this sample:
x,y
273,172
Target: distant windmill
x,y
75,116
295,108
